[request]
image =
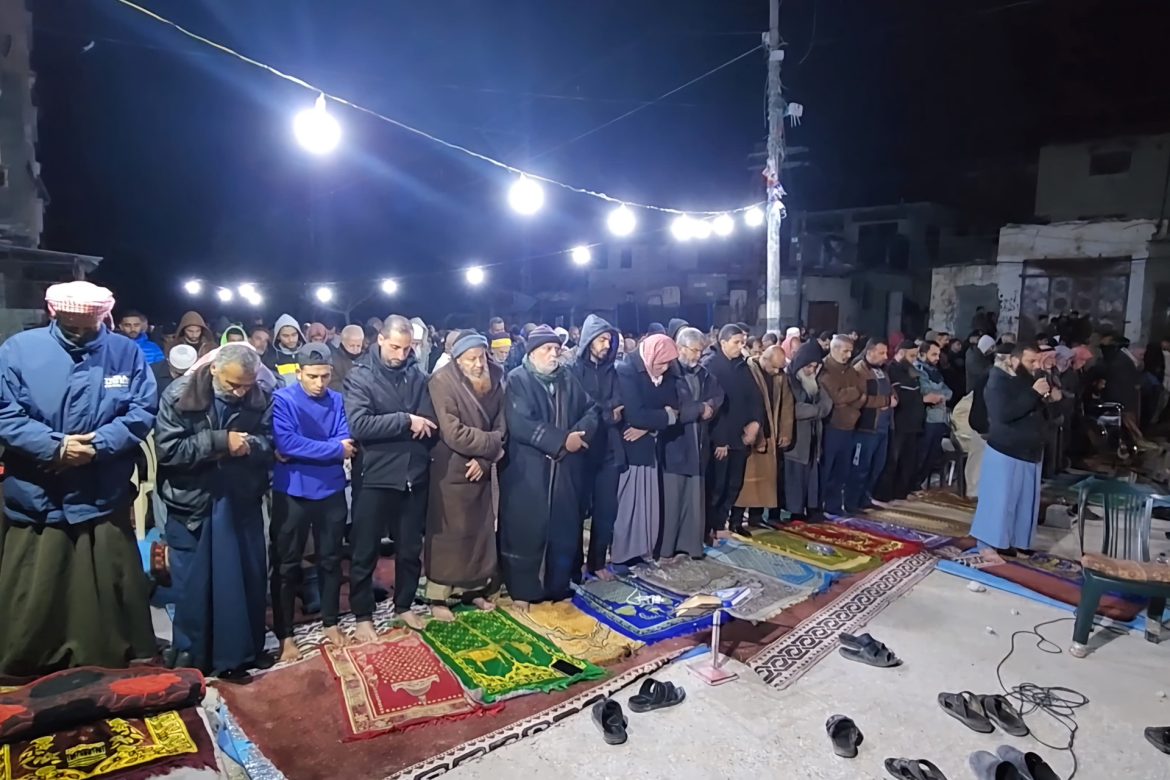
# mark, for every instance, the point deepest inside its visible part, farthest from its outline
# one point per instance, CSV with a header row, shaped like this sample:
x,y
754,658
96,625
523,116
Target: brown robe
x,y
460,548
760,477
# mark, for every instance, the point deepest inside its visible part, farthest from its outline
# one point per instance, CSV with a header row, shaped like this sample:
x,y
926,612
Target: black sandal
x,y
1159,737
608,717
655,695
913,769
966,708
1001,713
845,736
875,655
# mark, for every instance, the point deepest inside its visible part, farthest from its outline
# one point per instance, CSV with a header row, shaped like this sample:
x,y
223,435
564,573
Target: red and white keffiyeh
x,y
80,298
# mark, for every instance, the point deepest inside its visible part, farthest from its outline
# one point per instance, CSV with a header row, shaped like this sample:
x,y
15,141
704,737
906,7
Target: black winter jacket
x,y
1018,417
600,382
379,401
192,444
742,403
910,416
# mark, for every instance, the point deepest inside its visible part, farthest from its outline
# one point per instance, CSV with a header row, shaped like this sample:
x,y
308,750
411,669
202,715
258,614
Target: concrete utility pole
x,y
776,109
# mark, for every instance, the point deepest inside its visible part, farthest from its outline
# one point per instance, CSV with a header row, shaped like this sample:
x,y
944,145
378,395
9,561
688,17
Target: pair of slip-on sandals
x,y
653,695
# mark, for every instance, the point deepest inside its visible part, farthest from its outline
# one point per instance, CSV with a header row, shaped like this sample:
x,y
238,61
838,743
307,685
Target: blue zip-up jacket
x,y
151,351
932,382
308,433
50,388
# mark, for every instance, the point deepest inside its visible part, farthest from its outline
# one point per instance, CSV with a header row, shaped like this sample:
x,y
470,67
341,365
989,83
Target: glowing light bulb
x,y
526,196
701,229
682,228
246,290
475,276
723,225
324,294
316,130
753,217
389,286
193,286
621,221
224,294
581,255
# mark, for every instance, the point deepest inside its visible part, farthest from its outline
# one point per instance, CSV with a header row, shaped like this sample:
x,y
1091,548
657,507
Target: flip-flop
x,y
913,769
1031,765
1001,712
988,766
654,695
1159,737
609,719
875,655
966,708
845,736
857,642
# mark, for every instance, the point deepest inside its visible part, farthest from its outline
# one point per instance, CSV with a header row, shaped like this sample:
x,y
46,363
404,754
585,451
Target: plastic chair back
x,y
1127,517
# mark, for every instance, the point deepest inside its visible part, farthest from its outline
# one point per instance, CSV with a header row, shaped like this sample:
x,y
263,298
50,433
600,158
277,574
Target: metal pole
x,y
775,211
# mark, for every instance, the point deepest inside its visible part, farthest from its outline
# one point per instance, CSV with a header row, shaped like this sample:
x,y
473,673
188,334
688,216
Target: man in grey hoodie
x,y
594,367
287,340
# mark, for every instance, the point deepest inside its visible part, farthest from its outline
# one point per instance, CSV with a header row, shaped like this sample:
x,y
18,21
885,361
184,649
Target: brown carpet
x,y
291,714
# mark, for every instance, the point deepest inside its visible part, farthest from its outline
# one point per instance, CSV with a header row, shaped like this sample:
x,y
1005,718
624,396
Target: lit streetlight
x,y
621,221
581,255
753,217
316,130
526,196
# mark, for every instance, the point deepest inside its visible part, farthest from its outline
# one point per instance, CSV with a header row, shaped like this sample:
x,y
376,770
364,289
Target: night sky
x,y
173,160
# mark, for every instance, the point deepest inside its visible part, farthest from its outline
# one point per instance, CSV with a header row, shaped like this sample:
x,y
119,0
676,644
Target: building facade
x,y
22,194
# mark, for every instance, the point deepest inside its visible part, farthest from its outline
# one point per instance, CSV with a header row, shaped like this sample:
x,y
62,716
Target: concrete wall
x,y
21,208
1065,190
947,310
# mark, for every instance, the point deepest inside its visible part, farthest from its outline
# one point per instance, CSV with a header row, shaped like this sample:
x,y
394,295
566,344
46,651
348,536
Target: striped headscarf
x,y
81,298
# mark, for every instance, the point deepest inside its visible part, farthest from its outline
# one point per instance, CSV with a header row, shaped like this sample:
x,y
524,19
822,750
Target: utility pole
x,y
775,209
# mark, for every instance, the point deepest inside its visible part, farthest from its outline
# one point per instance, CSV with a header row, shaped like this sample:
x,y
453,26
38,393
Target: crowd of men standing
x,y
480,460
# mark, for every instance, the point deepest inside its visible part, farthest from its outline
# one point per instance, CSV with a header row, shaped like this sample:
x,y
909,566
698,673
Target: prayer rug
x,y
854,539
575,632
1063,568
805,550
125,748
75,697
785,660
637,609
945,498
496,657
689,577
394,683
947,512
788,570
278,726
930,523
889,531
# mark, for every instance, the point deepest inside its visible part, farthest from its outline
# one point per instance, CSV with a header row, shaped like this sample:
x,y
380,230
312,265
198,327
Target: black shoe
x,y
1007,552
239,676
611,721
265,661
844,735
741,530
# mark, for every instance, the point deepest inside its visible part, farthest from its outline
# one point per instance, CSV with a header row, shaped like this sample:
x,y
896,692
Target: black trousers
x,y
292,520
405,511
603,508
902,466
724,481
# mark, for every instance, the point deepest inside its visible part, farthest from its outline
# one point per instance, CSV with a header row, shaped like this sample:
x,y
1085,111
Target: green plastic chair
x,y
1123,564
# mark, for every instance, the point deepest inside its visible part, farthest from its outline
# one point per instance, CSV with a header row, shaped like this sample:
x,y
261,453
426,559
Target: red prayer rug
x,y
395,683
853,539
122,748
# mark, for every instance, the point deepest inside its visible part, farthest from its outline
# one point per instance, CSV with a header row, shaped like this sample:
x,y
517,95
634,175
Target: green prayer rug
x,y
495,656
821,555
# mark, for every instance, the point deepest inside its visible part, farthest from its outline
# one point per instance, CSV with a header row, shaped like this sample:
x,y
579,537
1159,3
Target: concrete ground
x,y
746,729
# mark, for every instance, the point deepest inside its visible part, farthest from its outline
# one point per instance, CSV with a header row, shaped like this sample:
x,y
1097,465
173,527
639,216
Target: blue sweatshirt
x,y
308,433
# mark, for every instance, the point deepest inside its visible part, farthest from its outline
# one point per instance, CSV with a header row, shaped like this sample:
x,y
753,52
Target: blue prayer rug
x,y
636,609
788,570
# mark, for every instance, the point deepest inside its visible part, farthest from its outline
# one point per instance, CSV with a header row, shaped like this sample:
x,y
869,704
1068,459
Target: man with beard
x,y
214,440
76,403
181,358
551,421
261,339
1017,410
811,404
898,479
733,429
605,461
194,332
289,340
846,391
872,435
686,450
392,419
468,397
308,493
135,327
935,395
501,347
761,484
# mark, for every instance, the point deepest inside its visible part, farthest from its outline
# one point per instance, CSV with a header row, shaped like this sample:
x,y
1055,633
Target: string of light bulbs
x,y
320,133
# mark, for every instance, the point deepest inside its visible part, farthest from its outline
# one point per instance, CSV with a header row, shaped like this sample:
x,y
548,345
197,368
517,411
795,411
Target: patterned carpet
x,y
786,660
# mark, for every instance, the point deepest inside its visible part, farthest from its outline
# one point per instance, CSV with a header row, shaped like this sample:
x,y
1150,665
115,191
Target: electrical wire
x,y
448,144
1056,701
